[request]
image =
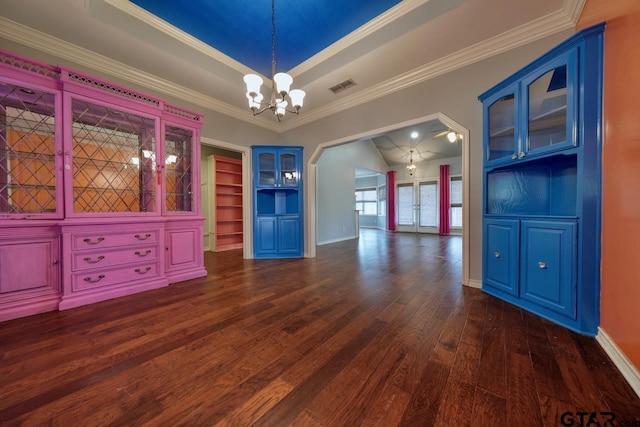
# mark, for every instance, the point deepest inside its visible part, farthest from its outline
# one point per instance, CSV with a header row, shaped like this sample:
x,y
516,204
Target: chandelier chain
x,y
273,38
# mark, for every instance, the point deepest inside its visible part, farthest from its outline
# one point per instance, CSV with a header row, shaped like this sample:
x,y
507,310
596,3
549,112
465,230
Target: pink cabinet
x,y
29,271
99,190
106,261
183,250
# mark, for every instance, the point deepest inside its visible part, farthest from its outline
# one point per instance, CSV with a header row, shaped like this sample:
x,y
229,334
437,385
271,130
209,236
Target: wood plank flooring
x,y
374,332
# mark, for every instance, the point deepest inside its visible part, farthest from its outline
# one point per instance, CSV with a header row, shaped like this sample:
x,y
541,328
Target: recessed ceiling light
x,y
414,135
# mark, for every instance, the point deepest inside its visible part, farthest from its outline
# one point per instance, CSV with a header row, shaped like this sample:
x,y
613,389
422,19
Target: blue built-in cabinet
x,y
541,184
277,189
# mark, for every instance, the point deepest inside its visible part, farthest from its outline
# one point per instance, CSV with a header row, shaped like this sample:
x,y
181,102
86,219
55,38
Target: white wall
x,y
335,188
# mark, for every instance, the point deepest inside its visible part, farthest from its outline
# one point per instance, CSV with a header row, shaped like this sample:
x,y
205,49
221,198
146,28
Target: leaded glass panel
x,y
27,151
179,169
114,158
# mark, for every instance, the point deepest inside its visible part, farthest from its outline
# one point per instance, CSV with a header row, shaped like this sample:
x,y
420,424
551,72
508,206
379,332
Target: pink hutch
x,y
99,190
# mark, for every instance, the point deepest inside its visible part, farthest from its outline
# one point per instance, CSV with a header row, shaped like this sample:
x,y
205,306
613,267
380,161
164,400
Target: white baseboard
x,y
628,370
341,239
475,284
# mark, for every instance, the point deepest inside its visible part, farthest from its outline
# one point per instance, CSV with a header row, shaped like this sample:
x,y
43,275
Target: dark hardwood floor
x,y
374,331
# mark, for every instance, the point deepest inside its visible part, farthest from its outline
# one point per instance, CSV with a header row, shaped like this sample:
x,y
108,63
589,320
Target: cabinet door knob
x,y
542,265
514,156
497,254
522,154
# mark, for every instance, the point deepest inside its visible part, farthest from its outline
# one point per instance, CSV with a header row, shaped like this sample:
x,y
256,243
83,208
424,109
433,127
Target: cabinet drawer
x,y
104,240
98,259
97,278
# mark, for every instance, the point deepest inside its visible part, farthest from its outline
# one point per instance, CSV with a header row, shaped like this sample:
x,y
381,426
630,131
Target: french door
x,y
417,207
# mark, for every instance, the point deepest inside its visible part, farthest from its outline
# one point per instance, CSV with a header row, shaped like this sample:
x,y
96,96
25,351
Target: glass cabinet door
x,y
550,106
288,170
266,169
502,139
28,180
114,160
178,161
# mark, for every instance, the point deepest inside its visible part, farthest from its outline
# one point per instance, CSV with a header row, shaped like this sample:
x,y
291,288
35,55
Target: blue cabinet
x,y
277,188
501,254
542,181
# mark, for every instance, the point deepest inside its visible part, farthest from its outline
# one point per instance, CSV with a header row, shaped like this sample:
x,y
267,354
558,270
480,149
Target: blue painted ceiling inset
x,y
241,29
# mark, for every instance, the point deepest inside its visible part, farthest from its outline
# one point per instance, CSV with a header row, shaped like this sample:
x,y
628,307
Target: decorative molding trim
x,y
573,9
545,26
24,35
475,284
153,21
519,36
620,360
398,11
341,239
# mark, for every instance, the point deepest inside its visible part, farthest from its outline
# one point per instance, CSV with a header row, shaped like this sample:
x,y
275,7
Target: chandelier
x,y
281,96
411,168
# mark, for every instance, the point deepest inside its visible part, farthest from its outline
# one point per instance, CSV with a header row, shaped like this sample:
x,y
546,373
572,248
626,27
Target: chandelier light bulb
x,y
283,83
297,97
253,82
452,136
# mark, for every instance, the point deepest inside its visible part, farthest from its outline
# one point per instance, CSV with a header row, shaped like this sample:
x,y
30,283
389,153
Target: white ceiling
x,y
412,42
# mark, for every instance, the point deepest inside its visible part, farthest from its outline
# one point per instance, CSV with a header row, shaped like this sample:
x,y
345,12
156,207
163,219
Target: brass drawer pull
x,y
93,261
141,271
140,254
542,265
91,242
141,237
90,280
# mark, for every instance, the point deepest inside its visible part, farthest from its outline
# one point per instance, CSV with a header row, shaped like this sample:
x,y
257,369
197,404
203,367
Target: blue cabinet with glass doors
x,y
541,184
277,198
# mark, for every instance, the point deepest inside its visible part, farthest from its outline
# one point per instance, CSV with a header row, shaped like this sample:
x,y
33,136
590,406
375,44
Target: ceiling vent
x,y
342,86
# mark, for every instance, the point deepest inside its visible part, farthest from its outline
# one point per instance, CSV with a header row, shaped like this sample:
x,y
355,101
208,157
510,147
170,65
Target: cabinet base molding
x,y
181,276
28,307
79,299
620,360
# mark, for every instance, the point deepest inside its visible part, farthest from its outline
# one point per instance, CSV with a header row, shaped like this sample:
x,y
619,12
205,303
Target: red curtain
x,y
391,200
445,200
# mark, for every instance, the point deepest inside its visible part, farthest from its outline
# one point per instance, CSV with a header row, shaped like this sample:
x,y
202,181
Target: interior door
x,y
417,207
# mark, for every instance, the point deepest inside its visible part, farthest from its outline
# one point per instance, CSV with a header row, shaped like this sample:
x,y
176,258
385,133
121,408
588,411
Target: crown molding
x,y
516,37
398,11
38,40
535,30
153,21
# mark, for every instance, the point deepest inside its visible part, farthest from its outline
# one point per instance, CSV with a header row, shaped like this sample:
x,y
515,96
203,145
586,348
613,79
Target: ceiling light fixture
x,y
411,168
279,86
452,136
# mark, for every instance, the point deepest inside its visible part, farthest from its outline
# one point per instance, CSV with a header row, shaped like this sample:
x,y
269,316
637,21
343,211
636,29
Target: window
x,y
456,202
367,201
428,204
405,204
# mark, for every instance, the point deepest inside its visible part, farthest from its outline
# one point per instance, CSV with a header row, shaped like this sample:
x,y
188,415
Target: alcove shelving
x,y
227,198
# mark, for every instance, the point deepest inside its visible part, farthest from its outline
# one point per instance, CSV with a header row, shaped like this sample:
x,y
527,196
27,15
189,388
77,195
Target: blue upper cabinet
x,y
542,183
277,198
277,167
535,115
